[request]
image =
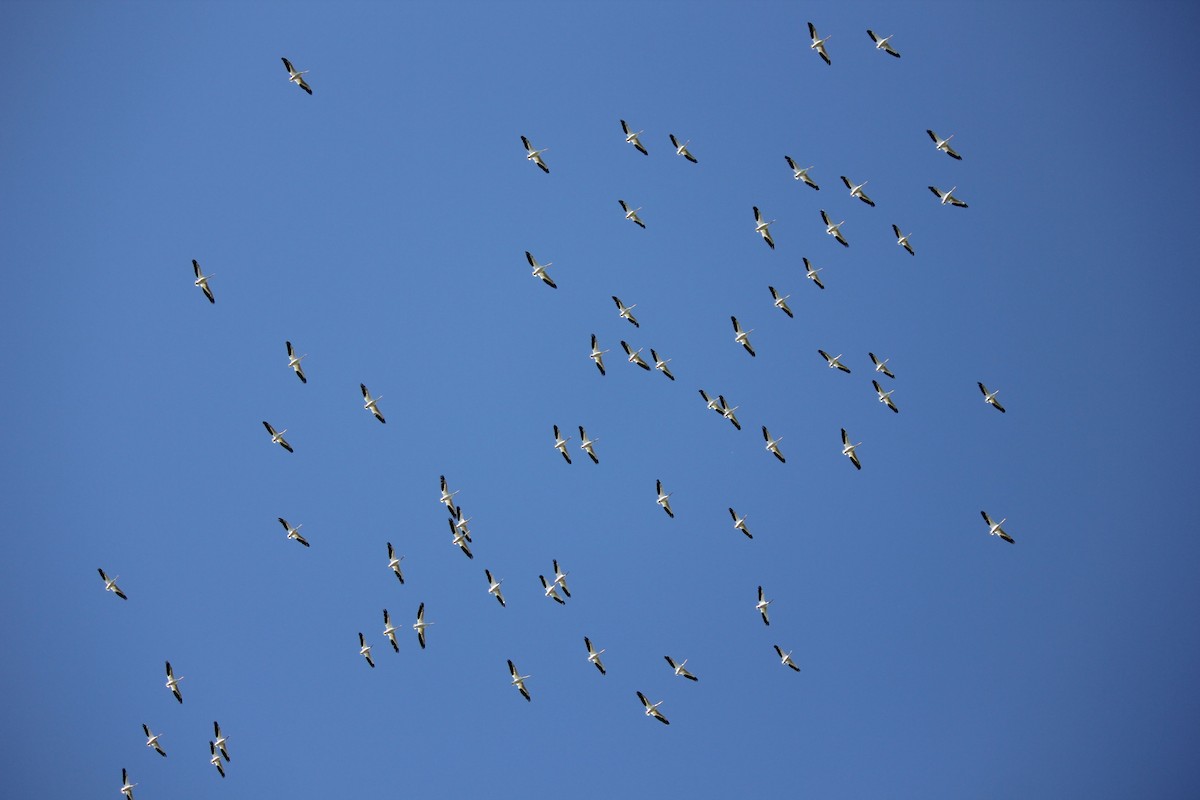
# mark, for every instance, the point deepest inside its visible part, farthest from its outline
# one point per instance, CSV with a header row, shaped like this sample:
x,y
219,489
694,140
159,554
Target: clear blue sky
x,y
381,224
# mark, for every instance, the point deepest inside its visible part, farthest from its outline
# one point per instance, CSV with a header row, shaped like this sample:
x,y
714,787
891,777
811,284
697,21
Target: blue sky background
x,y
380,226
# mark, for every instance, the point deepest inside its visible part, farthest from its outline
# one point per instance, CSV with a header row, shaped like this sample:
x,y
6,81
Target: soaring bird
x,y
834,361
394,562
857,191
389,630
625,312
277,438
631,214
761,606
944,144
660,364
632,137
885,397
664,499
588,445
811,273
173,683
447,498
560,444
126,786
539,270
370,403
535,155
848,450
652,709
882,44
364,650
773,445
781,302
597,355
990,397
152,740
294,362
834,229
786,658
994,528
801,173
762,227
296,77
220,742
215,758
742,337
739,523
202,281
551,590
727,412
681,149
680,670
635,356
560,579
818,44
494,586
881,366
594,655
293,533
948,197
110,585
518,680
420,625
902,240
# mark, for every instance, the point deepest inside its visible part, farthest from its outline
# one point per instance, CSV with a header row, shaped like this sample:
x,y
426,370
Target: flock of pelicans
x,y
555,588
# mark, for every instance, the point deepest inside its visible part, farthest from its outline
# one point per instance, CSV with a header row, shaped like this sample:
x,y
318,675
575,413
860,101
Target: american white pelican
x,y
948,197
786,658
535,155
994,528
420,625
110,585
394,562
881,366
635,356
761,606
624,311
220,742
215,758
518,680
126,786
447,498
587,445
834,361
551,590
539,270
857,191
727,412
389,630
882,44
202,281
848,450
494,586
594,655
369,403
460,538
560,443
742,337
631,214
277,438
679,669
293,533
458,525
173,683
296,77
990,398
902,240
681,149
884,397
294,362
661,364
801,174
811,273
739,523
597,355
652,709
560,578
781,302
713,403
152,740
773,445
944,145
364,650
762,227
632,138
664,499
818,43
834,230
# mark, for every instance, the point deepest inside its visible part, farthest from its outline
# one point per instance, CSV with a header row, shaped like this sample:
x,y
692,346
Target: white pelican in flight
x,y
714,404
494,587
742,337
801,174
296,77
420,625
786,658
215,759
781,302
848,450
587,445
597,355
834,361
762,227
219,741
994,528
882,44
518,680
458,525
948,197
834,230
773,445
277,438
881,366
681,149
394,562
535,155
594,655
902,240
370,403
680,670
664,499
885,397
727,412
152,740
551,590
632,138
447,498
818,43
625,312
631,214
560,579
661,364
126,786
635,356
293,533
202,281
652,709
460,537
110,585
294,362
944,144
539,270
560,444
761,606
811,273
857,191
990,397
739,523
173,683
389,630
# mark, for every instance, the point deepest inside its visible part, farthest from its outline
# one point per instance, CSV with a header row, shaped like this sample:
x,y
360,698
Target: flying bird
x,y
773,445
848,450
834,361
518,680
173,683
742,337
680,670
447,498
460,536
818,44
560,579
597,355
215,759
219,741
635,356
420,625
681,149
560,444
652,709
458,525
948,197
727,412
535,155
594,655
664,499
739,523
586,445
761,606
944,144
811,273
624,311
277,438
834,230
881,366
990,398
902,240
152,740
762,227
714,404
882,44
856,191
551,590
294,362
389,630
126,786
661,364
394,563
494,586
632,138
885,397
370,403
801,174
202,281
786,658
539,270
781,302
110,585
631,214
994,528
297,77
293,533
364,650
